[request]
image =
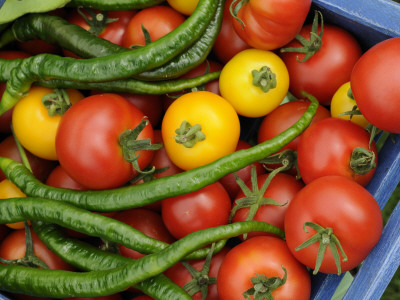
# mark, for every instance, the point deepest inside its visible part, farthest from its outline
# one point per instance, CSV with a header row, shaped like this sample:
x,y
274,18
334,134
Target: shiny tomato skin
x,y
158,20
374,86
341,204
205,208
59,178
229,180
269,25
282,188
180,275
262,255
147,221
87,141
328,68
228,42
325,148
13,247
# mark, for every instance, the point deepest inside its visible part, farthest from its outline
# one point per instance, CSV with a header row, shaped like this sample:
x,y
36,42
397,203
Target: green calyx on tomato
x,y
263,286
362,160
310,47
97,21
130,145
326,238
57,103
234,12
265,79
189,135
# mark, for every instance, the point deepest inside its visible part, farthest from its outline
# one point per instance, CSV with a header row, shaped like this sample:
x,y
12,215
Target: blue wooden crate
x,y
370,21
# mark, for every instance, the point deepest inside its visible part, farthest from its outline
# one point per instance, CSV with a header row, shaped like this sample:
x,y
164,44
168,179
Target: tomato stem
x,y
97,21
362,160
57,102
189,135
326,238
264,78
311,46
234,8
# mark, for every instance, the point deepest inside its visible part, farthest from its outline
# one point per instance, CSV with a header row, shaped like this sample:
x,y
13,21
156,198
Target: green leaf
x,y
13,9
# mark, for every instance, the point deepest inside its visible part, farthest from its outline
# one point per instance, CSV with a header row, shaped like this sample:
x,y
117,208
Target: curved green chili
x,y
66,215
114,5
61,284
155,190
112,67
89,258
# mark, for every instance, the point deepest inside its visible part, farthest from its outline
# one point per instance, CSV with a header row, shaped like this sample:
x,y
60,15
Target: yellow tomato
x,y
10,190
255,82
185,7
342,102
218,135
34,127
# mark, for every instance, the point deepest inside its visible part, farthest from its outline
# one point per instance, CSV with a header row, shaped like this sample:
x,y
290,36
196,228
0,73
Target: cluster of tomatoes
x,y
261,81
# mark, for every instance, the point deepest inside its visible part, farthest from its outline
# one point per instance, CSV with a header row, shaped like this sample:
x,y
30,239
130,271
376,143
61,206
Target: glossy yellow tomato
x,y
10,190
34,127
217,133
342,101
185,7
255,82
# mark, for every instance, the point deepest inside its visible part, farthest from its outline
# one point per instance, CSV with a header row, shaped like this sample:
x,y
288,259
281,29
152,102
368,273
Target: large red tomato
x,y
328,68
205,208
327,148
93,141
374,85
265,258
340,209
270,24
157,20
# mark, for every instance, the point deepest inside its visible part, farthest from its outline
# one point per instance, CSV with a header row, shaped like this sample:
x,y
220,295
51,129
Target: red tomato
x,y
328,68
205,208
282,188
59,178
229,180
262,255
41,168
88,146
270,24
342,205
158,20
374,86
13,247
228,42
147,221
181,276
326,148
5,118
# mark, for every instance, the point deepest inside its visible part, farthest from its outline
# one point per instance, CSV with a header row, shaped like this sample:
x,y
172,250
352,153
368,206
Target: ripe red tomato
x,y
326,148
229,180
147,221
205,208
262,256
270,24
13,247
179,274
329,68
59,178
41,168
345,207
88,141
228,36
157,20
282,188
374,86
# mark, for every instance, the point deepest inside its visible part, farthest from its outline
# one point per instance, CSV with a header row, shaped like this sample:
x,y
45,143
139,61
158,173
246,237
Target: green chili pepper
x,y
149,192
61,284
112,67
87,257
115,5
66,215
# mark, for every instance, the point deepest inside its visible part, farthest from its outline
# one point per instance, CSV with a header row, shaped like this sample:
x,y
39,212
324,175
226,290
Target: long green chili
x,y
112,67
61,284
149,192
89,258
66,215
